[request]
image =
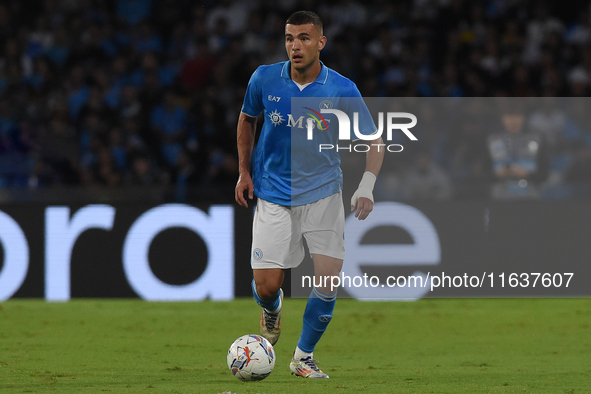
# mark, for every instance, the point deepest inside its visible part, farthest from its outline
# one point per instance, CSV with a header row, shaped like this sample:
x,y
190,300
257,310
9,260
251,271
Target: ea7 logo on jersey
x,y
273,98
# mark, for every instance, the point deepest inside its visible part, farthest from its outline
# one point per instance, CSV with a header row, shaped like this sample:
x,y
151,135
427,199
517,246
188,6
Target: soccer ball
x,y
251,357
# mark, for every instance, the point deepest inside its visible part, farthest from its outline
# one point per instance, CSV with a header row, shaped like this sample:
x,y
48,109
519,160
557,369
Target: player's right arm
x,y
247,124
245,140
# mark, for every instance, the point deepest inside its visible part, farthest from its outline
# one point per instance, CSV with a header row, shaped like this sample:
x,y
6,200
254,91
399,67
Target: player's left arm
x,y
362,200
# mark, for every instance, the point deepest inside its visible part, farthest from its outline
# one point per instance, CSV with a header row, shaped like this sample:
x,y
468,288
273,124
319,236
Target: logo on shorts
x,y
257,254
324,318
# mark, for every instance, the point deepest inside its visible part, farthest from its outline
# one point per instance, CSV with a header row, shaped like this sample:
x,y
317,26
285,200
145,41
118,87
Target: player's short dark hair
x,y
304,18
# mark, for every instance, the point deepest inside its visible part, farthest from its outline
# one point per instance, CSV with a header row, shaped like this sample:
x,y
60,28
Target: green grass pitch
x,y
429,346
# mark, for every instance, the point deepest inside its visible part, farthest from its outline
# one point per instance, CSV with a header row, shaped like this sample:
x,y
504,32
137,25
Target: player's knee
x,y
268,289
268,283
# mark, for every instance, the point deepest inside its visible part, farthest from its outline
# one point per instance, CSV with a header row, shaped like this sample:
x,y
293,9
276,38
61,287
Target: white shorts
x,y
278,232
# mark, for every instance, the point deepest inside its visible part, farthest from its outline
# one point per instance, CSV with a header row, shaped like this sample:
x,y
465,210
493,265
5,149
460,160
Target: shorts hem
x,y
340,256
271,265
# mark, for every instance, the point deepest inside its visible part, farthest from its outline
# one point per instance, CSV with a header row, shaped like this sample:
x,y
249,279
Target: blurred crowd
x,y
109,93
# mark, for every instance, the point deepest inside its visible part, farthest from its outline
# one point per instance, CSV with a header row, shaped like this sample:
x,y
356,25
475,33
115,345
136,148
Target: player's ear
x,y
321,43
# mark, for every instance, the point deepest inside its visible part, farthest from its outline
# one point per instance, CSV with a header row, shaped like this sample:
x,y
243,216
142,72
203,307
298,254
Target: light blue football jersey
x,y
286,167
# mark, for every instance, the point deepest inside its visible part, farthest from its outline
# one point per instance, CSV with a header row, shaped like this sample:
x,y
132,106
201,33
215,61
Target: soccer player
x,y
298,197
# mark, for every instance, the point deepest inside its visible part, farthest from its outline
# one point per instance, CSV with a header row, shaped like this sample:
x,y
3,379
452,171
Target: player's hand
x,y
363,208
362,200
244,183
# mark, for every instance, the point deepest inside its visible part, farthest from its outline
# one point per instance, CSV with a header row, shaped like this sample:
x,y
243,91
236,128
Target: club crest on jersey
x,y
276,118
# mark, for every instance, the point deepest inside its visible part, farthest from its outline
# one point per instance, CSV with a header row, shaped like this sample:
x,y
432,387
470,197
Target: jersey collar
x,y
321,79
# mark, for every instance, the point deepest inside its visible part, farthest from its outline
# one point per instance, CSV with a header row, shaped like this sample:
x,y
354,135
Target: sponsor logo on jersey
x,y
276,118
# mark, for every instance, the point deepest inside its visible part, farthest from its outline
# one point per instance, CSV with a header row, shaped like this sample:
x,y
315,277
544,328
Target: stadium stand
x,y
119,95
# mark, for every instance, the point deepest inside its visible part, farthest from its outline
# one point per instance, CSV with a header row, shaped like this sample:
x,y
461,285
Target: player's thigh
x,y
323,226
276,237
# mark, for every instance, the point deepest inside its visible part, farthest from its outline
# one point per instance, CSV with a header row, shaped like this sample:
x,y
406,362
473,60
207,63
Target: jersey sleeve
x,y
253,103
354,103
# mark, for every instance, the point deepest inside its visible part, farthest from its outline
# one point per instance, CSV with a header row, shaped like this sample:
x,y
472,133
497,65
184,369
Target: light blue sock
x,y
271,304
316,318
